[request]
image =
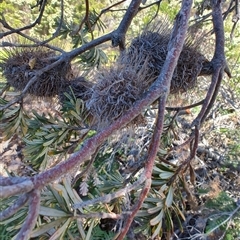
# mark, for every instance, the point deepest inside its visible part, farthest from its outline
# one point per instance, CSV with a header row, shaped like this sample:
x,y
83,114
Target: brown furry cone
x,y
116,90
19,66
120,86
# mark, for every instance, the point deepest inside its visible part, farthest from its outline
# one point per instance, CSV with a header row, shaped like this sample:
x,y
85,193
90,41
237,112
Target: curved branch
x,y
152,153
6,181
185,107
118,38
175,48
85,19
31,219
25,186
218,63
13,30
19,203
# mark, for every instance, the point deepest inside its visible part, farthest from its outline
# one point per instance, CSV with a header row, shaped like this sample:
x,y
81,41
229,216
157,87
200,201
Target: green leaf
x,y
155,209
157,230
62,192
166,175
157,219
60,231
48,143
46,227
88,237
169,198
52,212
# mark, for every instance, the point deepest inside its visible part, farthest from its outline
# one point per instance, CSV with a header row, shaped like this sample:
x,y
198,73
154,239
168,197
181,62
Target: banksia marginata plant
x,y
20,64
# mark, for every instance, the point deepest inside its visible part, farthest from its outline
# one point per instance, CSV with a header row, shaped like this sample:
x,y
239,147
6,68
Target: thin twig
x,y
87,168
101,215
185,107
108,9
85,19
13,30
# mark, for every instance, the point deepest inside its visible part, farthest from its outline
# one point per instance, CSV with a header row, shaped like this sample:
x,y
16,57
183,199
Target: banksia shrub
x,y
20,64
118,87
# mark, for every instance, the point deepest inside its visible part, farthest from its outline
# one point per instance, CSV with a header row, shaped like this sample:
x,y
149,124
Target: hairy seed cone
x,y
21,65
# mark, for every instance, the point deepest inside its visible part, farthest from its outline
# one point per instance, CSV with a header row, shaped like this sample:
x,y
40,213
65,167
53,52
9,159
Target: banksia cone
x,y
116,90
154,47
20,65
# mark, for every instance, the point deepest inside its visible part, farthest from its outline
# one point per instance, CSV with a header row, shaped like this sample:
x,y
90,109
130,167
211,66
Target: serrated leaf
x,y
178,211
71,192
64,134
158,182
52,212
81,229
62,191
162,151
50,135
169,198
13,218
79,106
151,200
157,169
11,113
43,152
142,213
169,221
58,197
34,141
16,125
157,219
24,128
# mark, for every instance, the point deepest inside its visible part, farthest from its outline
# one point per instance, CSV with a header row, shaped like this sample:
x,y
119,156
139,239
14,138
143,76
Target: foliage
x,y
95,198
223,211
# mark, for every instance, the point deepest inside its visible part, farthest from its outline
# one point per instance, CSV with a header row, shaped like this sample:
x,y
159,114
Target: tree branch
x,y
118,38
6,181
175,48
30,221
22,187
218,63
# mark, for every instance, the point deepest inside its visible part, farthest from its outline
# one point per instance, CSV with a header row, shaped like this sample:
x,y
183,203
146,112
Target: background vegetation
x,y
70,169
